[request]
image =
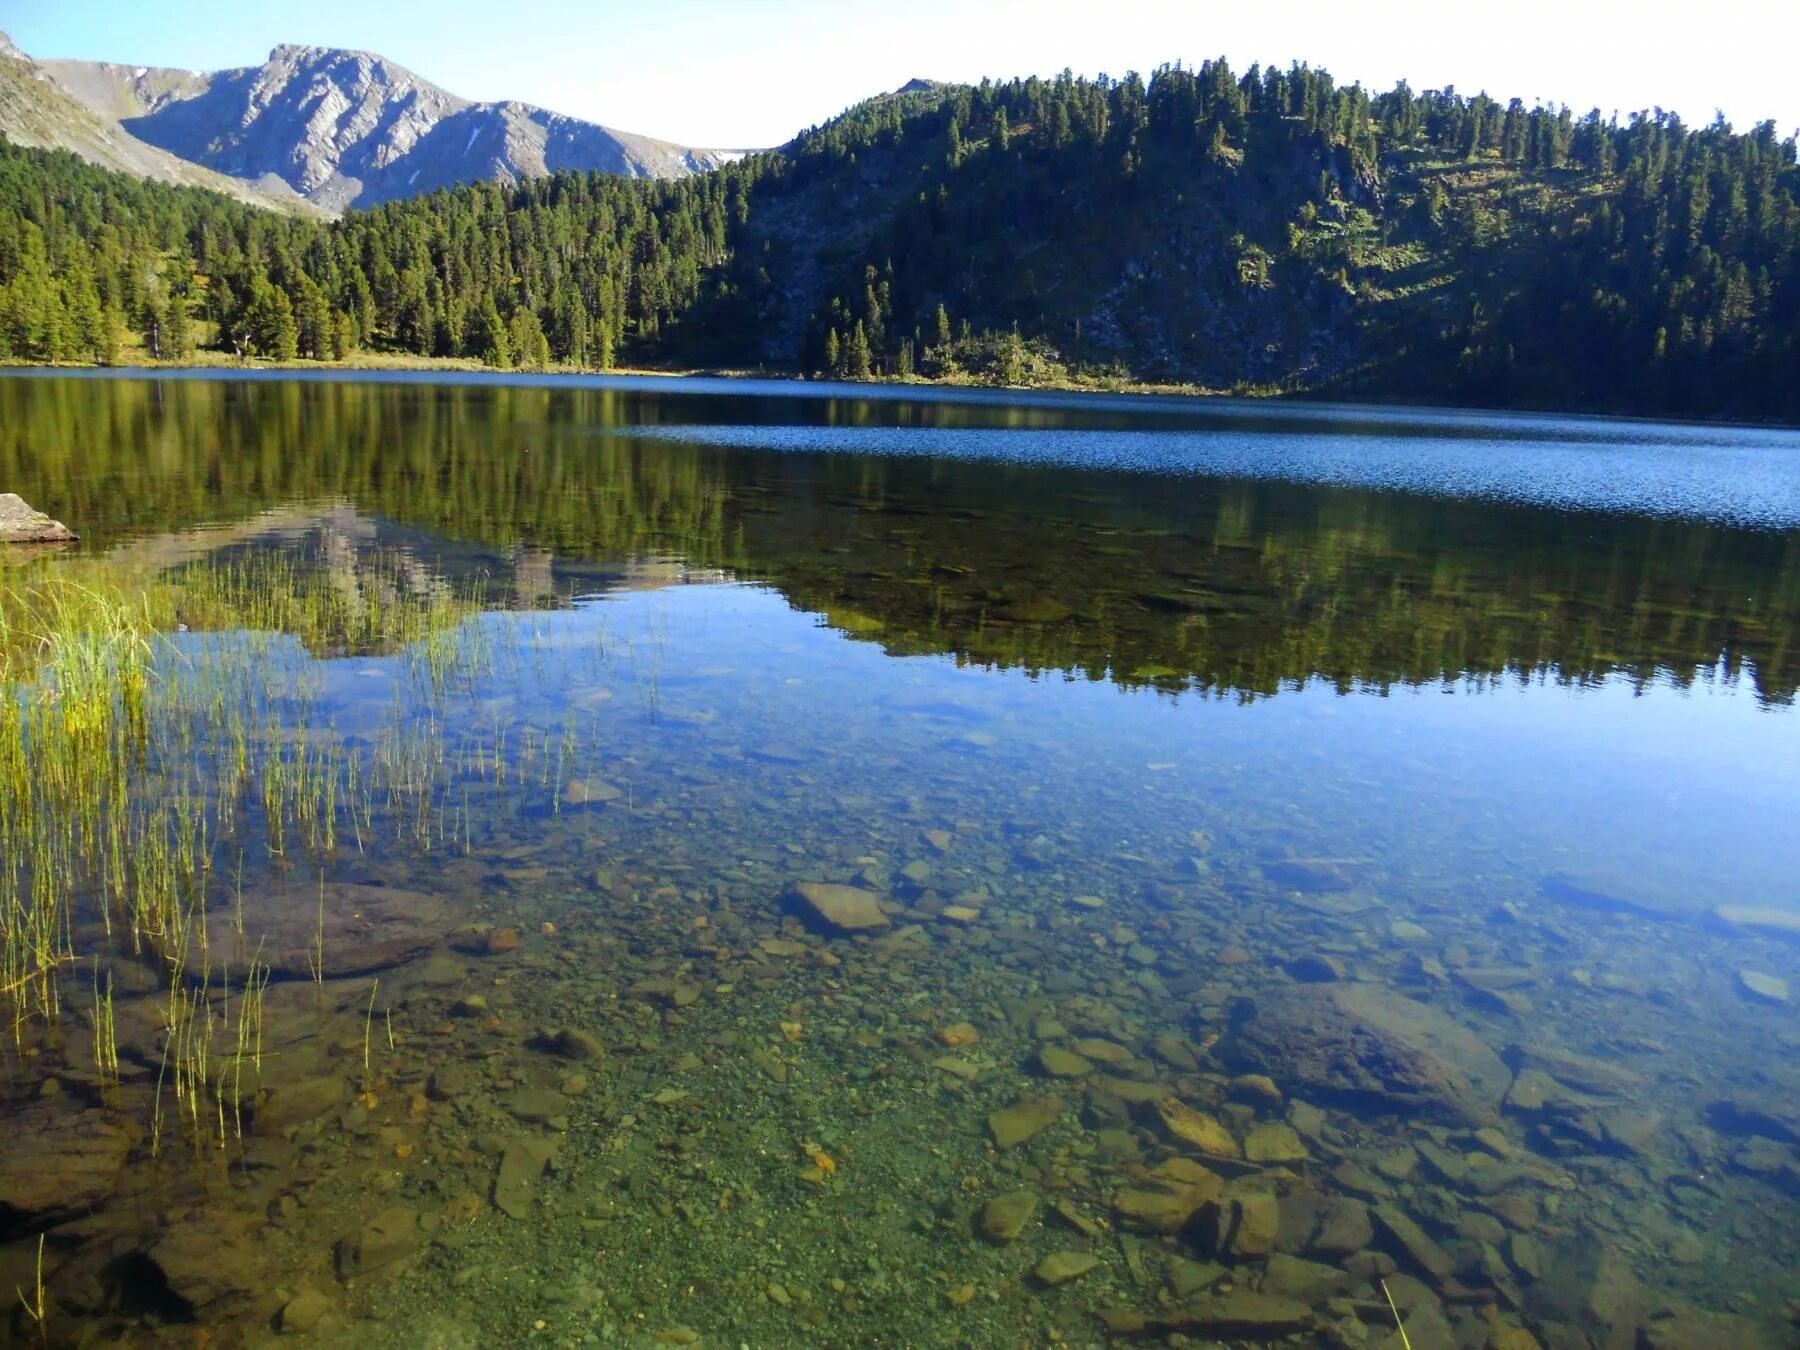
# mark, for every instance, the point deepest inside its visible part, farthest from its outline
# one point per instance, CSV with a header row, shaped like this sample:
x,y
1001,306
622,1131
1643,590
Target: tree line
x,y
1198,224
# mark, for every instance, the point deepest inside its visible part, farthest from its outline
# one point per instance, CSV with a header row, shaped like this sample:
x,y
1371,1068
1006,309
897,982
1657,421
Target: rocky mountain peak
x,y
333,126
8,49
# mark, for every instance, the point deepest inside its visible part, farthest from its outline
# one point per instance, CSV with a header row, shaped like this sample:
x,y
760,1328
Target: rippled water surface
x,y
1268,853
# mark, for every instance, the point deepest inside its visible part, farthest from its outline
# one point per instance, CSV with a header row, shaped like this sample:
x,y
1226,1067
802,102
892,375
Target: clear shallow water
x,y
1494,760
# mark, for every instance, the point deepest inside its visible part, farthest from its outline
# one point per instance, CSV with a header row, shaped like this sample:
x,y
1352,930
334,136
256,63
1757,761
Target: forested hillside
x,y
1271,231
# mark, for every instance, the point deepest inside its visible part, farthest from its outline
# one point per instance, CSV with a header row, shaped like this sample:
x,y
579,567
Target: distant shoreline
x,y
379,362
224,366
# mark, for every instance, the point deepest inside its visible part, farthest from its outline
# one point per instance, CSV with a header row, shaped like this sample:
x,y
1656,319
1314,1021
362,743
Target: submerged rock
x,y
842,909
60,1164
1240,1313
390,1236
1361,1042
1344,1228
1590,1283
1760,986
1061,1267
1273,1142
342,929
1204,1132
22,523
1169,1197
1060,1063
211,1262
1025,1119
1778,922
1004,1217
590,792
522,1162
1413,1241
302,1313
1309,1281
1244,1225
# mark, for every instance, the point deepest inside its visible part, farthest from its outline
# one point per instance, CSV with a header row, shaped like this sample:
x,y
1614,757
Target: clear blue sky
x,y
748,73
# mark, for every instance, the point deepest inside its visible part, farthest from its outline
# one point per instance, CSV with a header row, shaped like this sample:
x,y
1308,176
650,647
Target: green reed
x,y
132,753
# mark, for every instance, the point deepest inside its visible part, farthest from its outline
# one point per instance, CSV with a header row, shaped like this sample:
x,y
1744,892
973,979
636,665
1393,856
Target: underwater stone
x,y
389,1237
1061,1267
1344,1227
844,909
211,1261
1271,1142
1413,1241
1004,1217
302,1313
1162,1209
1245,1314
522,1162
59,1164
590,792
1765,987
1362,1042
355,929
1310,1281
1244,1225
573,1043
1780,922
1060,1063
1204,1132
1025,1119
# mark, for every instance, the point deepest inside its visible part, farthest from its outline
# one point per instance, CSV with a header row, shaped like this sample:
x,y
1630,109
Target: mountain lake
x,y
673,861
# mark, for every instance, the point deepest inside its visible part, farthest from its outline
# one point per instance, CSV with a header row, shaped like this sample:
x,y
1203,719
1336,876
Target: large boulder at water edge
x,y
20,523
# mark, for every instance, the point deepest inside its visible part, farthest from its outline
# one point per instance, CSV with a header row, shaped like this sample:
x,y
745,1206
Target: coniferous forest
x,y
1268,232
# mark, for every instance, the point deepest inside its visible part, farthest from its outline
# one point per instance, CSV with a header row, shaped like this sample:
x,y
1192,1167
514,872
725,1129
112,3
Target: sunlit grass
x,y
155,727
162,732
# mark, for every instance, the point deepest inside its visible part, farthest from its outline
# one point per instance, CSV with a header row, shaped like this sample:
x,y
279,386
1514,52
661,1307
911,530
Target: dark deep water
x,y
1414,795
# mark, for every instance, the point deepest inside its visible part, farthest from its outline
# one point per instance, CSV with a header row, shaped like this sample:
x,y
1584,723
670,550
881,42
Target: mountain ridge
x,y
1264,232
328,127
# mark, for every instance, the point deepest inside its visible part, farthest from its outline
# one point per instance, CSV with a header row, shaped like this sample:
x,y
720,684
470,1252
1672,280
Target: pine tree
x,y
943,348
487,338
525,335
1011,368
150,329
268,328
856,361
175,334
112,323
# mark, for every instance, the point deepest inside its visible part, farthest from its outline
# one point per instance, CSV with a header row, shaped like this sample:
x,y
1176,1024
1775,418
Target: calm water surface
x,y
1414,795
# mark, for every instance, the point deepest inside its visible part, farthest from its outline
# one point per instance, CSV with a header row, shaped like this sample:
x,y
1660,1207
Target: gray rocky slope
x,y
36,111
330,127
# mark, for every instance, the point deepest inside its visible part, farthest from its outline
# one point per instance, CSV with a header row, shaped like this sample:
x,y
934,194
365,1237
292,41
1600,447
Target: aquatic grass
x,y
146,717
106,1039
35,1306
165,733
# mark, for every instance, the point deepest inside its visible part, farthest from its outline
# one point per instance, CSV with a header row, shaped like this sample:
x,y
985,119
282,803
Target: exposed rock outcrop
x,y
322,125
21,523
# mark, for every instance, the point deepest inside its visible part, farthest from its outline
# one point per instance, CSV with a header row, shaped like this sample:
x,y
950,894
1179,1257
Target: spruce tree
x,y
856,363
